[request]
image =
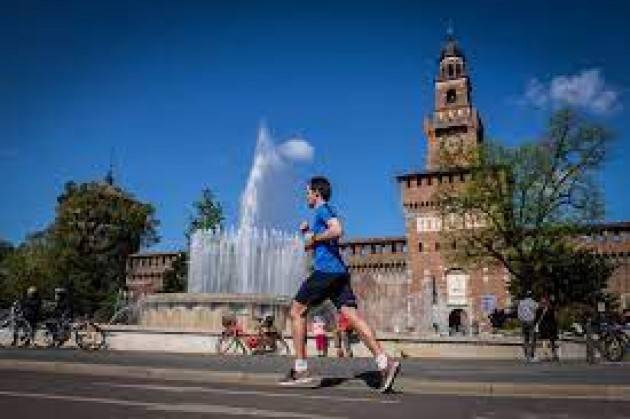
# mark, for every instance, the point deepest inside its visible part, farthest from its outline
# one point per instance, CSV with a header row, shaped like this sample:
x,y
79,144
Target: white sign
x,y
456,283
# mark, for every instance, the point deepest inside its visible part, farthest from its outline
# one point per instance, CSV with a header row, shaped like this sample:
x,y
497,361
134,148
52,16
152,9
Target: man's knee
x,y
298,310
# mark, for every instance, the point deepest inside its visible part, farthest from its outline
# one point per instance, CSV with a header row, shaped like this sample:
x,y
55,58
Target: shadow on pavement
x,y
371,378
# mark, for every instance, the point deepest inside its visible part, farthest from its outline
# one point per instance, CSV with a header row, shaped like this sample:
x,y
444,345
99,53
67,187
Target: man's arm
x,y
333,231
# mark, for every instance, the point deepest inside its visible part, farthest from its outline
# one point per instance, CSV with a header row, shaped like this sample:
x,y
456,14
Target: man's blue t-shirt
x,y
326,256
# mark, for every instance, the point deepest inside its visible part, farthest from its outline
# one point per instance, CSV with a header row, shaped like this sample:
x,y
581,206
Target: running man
x,y
330,280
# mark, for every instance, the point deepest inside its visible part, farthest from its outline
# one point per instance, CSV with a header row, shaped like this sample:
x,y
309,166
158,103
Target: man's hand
x,y
309,241
304,227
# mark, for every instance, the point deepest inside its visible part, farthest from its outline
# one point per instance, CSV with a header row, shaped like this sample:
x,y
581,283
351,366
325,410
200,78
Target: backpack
x,y
527,310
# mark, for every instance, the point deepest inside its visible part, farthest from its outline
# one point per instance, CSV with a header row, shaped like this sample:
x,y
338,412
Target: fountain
x,y
251,270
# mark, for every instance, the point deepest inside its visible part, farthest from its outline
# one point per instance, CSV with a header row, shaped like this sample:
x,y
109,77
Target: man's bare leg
x,y
298,327
363,329
298,375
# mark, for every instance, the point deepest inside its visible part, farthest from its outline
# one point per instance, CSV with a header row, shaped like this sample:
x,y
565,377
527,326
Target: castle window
x,y
437,246
450,70
451,96
420,247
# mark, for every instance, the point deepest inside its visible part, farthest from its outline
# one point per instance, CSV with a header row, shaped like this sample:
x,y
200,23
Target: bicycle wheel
x,y
6,332
89,336
613,348
44,337
24,333
230,345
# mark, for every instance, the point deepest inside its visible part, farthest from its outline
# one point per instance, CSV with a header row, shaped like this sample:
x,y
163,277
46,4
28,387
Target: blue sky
x,y
177,90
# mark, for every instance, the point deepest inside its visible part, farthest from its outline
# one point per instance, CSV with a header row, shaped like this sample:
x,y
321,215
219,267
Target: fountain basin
x,y
190,311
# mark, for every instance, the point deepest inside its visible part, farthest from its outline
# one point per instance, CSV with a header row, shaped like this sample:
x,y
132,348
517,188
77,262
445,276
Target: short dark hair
x,y
321,185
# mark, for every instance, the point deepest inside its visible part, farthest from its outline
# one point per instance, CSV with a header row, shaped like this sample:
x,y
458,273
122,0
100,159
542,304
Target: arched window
x,y
450,70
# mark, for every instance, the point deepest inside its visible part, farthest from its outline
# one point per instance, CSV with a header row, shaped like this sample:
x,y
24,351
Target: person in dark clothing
x,y
548,325
62,309
31,308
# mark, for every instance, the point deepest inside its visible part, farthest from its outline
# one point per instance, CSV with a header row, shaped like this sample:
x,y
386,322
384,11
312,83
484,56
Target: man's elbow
x,y
339,232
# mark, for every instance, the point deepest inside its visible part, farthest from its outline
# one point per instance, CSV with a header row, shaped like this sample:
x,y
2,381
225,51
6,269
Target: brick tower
x,y
453,296
454,122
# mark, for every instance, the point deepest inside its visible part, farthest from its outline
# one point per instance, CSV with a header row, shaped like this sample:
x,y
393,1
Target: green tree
x,y
97,226
30,264
175,278
6,248
525,208
208,214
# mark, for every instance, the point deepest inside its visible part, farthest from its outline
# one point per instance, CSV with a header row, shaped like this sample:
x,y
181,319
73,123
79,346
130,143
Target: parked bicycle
x,y
613,341
266,340
230,342
56,332
15,330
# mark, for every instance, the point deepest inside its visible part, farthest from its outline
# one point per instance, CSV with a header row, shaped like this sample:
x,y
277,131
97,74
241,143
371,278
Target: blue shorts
x,y
320,286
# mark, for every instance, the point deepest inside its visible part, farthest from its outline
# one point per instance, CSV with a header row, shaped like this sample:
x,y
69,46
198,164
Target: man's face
x,y
311,197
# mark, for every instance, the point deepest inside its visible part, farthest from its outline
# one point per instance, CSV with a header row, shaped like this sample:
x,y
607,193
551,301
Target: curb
x,y
405,385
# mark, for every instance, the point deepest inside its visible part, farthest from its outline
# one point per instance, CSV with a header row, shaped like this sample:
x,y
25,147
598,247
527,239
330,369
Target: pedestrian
x,y
321,340
548,325
527,316
31,308
329,280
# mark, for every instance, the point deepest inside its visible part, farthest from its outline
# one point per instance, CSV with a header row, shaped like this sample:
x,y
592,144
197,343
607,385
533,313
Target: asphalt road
x,y
35,395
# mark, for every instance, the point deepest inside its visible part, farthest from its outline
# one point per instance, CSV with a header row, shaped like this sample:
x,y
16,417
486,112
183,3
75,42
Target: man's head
x,y
318,191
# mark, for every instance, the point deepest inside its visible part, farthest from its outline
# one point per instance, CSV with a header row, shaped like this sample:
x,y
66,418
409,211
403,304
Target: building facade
x,y
145,271
404,283
411,286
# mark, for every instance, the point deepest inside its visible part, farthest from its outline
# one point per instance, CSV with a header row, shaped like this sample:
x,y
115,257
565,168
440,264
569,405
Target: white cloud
x,y
586,90
536,93
296,149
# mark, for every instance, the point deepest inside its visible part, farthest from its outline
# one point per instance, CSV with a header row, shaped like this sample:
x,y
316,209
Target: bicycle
x,y
230,342
15,330
55,332
613,342
607,338
268,339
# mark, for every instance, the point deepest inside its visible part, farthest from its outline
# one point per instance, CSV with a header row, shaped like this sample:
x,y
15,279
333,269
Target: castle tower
x,y
451,295
454,125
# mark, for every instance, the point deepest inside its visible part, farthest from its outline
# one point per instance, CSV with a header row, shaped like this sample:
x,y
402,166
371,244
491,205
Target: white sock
x,y
381,361
300,365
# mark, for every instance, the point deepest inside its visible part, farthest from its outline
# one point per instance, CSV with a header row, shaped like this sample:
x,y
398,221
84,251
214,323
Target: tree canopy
x,y
208,213
96,226
525,207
